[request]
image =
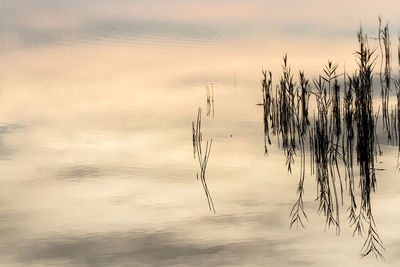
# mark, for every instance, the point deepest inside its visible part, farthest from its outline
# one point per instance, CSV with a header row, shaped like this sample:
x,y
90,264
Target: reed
x,y
348,144
385,75
267,98
302,125
203,158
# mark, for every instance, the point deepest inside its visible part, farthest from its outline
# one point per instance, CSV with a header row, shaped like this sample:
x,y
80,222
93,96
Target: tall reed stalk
x,y
203,158
385,75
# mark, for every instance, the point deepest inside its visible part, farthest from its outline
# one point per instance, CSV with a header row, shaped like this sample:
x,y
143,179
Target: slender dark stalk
x,y
203,159
302,123
385,76
348,144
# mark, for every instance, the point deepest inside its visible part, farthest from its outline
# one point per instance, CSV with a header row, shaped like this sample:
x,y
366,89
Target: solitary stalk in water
x,y
203,159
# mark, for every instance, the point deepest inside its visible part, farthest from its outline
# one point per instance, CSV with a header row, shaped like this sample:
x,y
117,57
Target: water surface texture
x,y
97,100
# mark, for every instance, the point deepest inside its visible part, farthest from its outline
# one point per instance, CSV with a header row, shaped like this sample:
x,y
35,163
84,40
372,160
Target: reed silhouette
x,y
266,90
303,95
343,128
385,75
365,145
202,157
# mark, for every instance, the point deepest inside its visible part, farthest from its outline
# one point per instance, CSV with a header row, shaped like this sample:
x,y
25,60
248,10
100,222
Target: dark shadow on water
x,y
78,172
155,248
6,151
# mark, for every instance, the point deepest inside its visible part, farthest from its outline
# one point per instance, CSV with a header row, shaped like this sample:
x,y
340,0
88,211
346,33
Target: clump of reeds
x,y
365,144
286,111
326,138
203,158
281,110
302,126
337,127
321,147
267,98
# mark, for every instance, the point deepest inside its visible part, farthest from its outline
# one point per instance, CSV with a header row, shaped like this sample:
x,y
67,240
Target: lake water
x,y
97,100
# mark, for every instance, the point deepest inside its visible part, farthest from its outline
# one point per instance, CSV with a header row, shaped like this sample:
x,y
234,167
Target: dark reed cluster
x,y
365,123
343,127
203,156
390,118
286,114
326,135
266,89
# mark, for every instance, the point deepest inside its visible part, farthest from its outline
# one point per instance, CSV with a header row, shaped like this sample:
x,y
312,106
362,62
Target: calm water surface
x,y
96,159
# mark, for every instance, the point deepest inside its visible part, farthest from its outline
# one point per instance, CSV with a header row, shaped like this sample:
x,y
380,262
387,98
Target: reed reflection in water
x,y
288,115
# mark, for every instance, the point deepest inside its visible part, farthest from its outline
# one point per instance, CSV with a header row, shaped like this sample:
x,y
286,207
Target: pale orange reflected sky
x,y
27,23
97,98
